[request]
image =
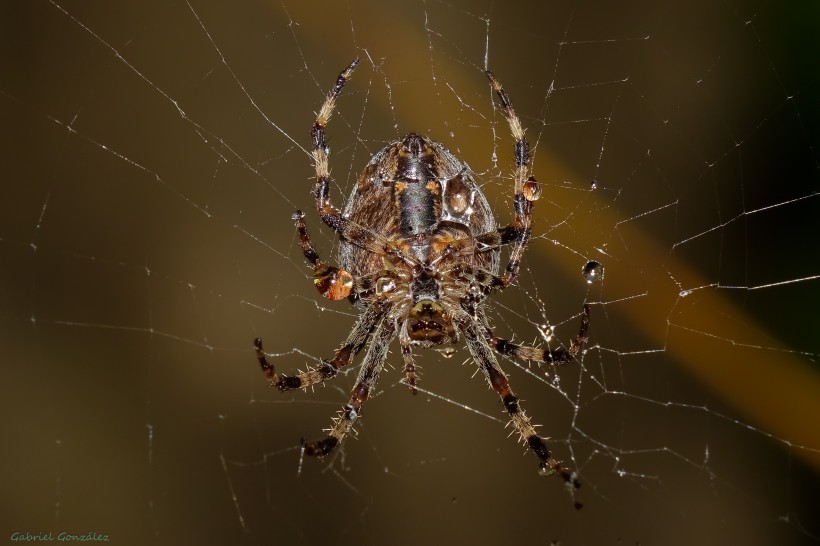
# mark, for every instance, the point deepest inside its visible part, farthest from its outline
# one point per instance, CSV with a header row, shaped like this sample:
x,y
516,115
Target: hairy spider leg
x,y
486,282
536,354
484,357
332,282
368,374
329,368
336,283
410,366
329,213
526,190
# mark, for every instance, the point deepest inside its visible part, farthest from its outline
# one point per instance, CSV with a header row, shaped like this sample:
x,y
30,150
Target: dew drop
x,y
593,185
385,285
593,271
458,196
447,352
532,190
333,283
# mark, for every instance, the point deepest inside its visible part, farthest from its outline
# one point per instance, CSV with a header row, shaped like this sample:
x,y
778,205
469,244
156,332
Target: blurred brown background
x,y
153,154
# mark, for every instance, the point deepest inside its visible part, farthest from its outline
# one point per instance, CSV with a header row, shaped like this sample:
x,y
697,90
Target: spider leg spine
x,y
537,354
486,361
328,212
373,363
328,369
525,190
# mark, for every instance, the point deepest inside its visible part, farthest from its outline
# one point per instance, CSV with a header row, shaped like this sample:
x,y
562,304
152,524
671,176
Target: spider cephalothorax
x,y
419,254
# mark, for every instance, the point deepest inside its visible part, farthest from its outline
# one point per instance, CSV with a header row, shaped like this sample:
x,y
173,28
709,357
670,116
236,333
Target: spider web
x,y
155,152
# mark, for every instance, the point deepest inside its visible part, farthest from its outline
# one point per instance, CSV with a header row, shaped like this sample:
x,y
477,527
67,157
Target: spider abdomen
x,y
414,195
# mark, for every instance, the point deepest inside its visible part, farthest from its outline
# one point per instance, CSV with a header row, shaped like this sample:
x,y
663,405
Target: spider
x,y
419,255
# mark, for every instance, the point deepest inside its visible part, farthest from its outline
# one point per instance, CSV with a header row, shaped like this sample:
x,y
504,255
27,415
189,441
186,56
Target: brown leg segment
x,y
535,354
329,213
329,368
410,368
526,189
369,372
482,353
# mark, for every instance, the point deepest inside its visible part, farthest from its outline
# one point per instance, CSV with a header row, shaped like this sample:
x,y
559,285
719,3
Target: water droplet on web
x,y
593,185
446,352
593,271
545,471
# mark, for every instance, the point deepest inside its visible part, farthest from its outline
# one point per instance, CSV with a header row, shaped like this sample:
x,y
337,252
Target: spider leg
x,y
368,373
535,354
479,283
329,368
484,357
501,236
410,367
526,190
329,213
332,282
336,283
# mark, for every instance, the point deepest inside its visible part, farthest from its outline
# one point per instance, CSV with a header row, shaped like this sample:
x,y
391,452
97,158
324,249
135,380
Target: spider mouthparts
x,y
427,321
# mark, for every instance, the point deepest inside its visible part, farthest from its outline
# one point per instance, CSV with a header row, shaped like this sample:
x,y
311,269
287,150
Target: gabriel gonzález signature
x,y
62,536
